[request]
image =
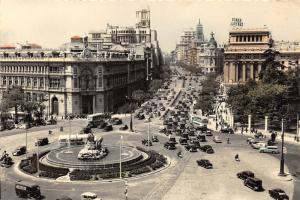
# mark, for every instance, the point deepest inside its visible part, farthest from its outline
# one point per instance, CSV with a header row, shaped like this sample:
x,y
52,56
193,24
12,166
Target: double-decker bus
x,y
95,119
198,121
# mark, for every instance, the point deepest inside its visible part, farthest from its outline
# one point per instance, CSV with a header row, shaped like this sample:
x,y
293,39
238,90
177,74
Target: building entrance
x,y
87,104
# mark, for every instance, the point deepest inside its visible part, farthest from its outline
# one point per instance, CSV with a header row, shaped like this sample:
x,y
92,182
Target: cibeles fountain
x,y
92,149
95,160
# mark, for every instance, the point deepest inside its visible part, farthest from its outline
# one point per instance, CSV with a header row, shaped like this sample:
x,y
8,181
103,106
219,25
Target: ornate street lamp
x,y
281,173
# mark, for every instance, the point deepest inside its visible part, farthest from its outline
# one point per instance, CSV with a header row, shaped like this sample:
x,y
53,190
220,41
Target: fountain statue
x,y
92,149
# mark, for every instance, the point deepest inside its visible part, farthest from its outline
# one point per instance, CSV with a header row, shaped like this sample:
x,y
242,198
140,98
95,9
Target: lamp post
x,y
130,124
148,133
281,173
121,140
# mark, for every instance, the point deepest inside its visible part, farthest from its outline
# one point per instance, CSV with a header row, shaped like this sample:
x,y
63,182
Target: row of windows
x,y
34,96
23,81
248,38
32,69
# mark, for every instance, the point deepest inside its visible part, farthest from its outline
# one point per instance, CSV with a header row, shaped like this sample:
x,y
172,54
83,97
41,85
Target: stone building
x,y
244,54
78,79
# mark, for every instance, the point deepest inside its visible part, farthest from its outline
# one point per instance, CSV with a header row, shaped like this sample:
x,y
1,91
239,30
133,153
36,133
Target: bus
x,y
199,121
94,120
72,140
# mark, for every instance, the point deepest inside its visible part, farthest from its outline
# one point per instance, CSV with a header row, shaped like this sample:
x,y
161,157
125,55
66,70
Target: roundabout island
x,y
92,161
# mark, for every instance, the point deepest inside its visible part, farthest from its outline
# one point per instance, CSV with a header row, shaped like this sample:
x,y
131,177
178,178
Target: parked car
x,y
146,142
254,183
115,121
85,130
107,128
205,147
217,139
205,163
25,189
201,138
278,194
210,151
268,149
191,148
42,141
245,174
89,196
208,133
183,141
19,151
257,145
102,125
51,122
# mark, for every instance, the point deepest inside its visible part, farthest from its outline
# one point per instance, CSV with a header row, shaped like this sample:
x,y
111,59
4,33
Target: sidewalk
x,y
288,137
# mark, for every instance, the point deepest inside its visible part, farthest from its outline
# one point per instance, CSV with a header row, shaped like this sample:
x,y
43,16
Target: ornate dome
x,y
212,41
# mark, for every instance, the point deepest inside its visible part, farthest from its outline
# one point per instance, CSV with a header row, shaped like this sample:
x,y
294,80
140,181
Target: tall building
x,y
76,78
244,54
199,33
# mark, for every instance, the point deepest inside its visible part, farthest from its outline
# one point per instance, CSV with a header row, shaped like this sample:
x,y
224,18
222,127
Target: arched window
x,y
54,103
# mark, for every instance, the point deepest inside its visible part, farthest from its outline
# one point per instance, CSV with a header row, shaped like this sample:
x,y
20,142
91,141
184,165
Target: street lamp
x,y
121,140
130,100
281,173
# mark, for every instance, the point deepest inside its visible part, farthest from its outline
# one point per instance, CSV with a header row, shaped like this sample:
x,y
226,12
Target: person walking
x,y
228,141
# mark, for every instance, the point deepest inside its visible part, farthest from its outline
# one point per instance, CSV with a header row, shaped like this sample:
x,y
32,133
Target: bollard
x,y
61,129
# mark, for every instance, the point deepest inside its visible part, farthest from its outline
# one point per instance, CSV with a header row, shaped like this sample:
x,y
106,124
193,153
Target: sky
x,y
51,23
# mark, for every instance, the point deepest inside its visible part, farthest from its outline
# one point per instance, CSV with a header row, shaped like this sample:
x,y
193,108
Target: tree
x,y
15,98
3,110
29,107
138,96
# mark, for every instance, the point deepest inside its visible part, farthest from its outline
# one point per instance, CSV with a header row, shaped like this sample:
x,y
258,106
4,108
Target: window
x,y
100,77
54,69
75,71
9,81
16,80
75,82
28,82
22,81
54,83
4,80
41,82
34,82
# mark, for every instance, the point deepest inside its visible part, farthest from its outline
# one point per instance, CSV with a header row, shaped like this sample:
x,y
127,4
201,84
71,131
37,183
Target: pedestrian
x,y
295,138
246,129
242,130
228,141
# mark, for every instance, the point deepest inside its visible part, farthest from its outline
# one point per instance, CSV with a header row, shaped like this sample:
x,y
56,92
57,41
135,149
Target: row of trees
x,y
275,94
206,99
14,98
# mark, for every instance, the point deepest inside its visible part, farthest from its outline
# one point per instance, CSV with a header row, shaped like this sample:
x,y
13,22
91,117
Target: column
x,y
249,123
258,67
251,71
244,72
232,72
236,72
226,78
266,124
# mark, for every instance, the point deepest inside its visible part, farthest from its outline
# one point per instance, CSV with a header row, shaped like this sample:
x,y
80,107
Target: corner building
x,y
79,83
244,54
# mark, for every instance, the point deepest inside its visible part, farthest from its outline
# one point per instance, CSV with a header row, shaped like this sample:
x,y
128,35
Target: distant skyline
x,y
51,23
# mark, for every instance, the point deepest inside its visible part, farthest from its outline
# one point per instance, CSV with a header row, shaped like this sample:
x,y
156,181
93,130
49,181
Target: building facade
x,y
244,54
69,81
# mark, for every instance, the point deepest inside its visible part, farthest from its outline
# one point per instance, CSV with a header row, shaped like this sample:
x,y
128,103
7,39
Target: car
x,y
123,127
254,183
162,109
216,139
268,149
271,142
115,121
19,151
278,194
89,196
192,148
258,135
107,128
208,133
102,125
245,174
224,130
85,130
205,163
170,146
205,147
257,145
51,122
210,151
42,141
183,141
201,138
25,189
154,138
141,117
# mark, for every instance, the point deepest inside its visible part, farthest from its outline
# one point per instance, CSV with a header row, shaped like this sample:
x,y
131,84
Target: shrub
x,y
29,169
140,170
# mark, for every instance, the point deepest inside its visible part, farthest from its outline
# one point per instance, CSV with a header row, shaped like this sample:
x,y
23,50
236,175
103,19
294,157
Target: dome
x,y
212,41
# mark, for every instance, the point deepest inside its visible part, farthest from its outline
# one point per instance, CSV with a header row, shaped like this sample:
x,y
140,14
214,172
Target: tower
x,y
143,18
199,32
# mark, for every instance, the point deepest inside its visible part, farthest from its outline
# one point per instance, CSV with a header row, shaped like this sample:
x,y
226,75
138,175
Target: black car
x,y
245,174
205,147
205,163
108,128
278,194
201,138
141,117
210,151
42,141
115,121
25,189
170,146
86,130
254,183
19,151
102,125
208,133
183,141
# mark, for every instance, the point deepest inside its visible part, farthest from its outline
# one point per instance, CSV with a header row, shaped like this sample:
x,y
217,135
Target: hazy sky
x,y
51,23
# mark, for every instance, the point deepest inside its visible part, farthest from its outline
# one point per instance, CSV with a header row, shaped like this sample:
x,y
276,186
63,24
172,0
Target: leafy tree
x,y
3,110
29,107
138,96
15,98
